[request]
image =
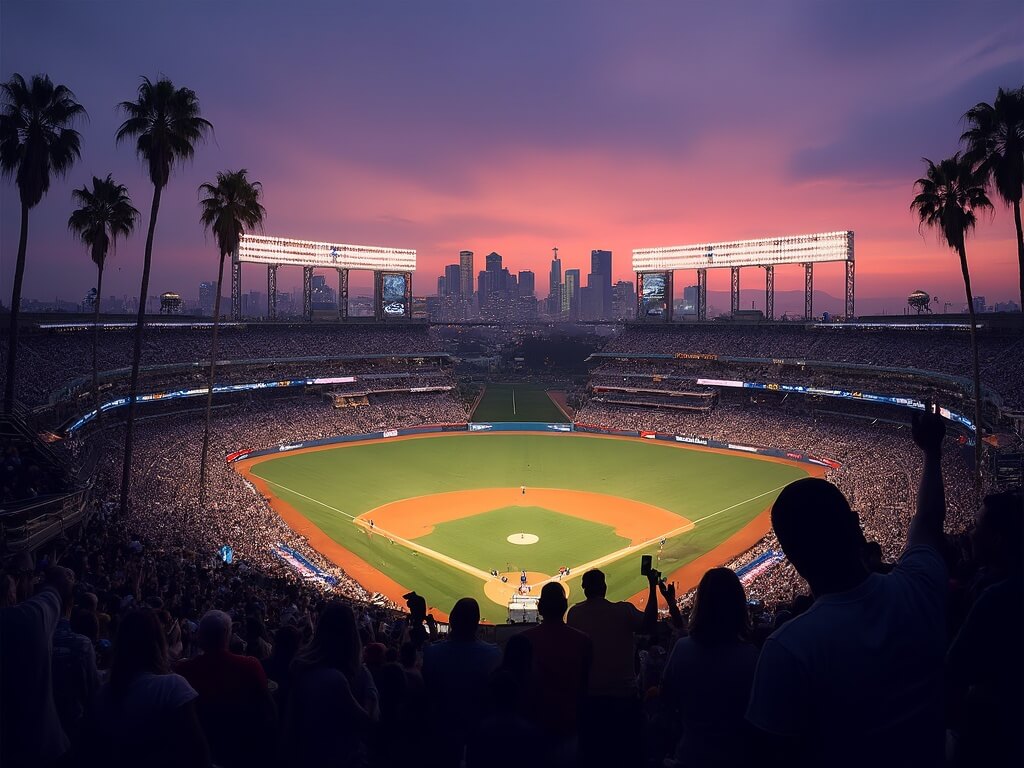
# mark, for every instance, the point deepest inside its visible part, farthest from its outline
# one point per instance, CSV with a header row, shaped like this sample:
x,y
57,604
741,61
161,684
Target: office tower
x,y
207,296
453,280
442,286
483,287
466,274
601,269
571,294
493,262
623,300
555,285
526,283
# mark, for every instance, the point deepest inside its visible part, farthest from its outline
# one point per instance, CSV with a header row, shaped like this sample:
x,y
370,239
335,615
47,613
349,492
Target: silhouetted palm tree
x,y
948,199
106,213
995,144
231,207
36,142
166,125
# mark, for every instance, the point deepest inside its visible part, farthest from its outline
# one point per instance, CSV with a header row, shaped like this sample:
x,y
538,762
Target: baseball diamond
x,y
437,513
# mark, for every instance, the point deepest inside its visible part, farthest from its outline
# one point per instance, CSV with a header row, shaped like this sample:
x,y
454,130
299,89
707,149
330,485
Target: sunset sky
x,y
516,127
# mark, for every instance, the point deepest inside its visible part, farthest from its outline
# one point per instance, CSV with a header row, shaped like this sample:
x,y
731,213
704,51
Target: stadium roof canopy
x,y
766,251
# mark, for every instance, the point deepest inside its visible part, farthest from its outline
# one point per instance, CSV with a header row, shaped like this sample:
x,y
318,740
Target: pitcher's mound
x,y
523,538
500,592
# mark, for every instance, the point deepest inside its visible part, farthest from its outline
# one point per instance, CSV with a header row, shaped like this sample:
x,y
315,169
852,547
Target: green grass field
x,y
483,542
517,402
718,492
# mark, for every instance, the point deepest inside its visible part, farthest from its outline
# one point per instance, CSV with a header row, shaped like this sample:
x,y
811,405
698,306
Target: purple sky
x,y
518,126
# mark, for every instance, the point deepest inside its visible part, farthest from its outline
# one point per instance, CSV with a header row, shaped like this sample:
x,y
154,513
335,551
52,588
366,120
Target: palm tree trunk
x,y
975,370
210,380
95,343
1020,250
12,330
140,322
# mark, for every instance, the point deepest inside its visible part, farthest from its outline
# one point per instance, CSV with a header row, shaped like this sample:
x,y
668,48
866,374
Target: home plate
x,y
523,538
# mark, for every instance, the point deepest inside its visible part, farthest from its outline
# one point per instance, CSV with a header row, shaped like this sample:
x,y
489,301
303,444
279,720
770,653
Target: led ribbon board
x,y
766,251
260,249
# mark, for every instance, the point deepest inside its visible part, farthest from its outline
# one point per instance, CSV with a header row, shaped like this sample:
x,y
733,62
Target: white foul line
x,y
603,560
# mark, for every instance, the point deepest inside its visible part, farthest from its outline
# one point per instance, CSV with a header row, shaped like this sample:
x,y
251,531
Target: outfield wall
x,y
531,426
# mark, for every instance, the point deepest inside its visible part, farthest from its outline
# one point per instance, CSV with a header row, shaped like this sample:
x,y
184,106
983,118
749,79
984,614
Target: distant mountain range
x,y
792,303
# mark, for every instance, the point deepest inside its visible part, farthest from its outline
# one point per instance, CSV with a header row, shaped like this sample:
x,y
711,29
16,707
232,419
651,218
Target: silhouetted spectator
x,y
234,706
857,679
507,711
75,678
333,700
709,675
455,673
30,729
561,666
287,640
611,715
144,715
985,664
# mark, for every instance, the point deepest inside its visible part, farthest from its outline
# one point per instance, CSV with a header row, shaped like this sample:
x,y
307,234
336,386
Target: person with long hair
x,y
709,674
333,700
145,714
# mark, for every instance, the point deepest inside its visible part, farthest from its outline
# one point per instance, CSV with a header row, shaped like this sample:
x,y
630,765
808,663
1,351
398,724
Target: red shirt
x,y
219,675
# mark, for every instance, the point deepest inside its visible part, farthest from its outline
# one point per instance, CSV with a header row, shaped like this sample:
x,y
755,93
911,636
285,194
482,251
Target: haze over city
x,y
516,129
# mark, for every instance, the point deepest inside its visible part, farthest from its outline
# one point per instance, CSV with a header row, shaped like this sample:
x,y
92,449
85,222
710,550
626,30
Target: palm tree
x,y
106,213
165,123
995,144
949,197
36,142
231,206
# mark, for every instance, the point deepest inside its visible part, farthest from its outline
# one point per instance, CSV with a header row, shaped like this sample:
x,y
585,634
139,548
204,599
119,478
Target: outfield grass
x,y
517,402
719,492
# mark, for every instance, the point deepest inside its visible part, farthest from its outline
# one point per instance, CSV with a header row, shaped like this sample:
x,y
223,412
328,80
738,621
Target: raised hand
x,y
668,591
928,429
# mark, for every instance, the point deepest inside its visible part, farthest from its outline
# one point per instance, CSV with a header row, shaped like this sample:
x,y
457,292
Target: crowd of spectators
x,y
1000,352
165,494
875,473
49,360
130,655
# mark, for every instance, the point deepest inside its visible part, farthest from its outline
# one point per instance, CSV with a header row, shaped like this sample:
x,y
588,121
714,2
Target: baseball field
x,y
438,513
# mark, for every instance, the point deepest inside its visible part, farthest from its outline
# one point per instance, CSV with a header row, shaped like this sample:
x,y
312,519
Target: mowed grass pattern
x,y
330,487
517,402
482,540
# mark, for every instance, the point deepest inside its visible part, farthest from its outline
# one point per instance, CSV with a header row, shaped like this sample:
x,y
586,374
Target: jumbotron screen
x,y
654,295
394,295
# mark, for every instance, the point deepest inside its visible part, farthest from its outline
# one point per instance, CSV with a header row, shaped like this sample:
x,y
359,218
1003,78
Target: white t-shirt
x,y
136,722
857,679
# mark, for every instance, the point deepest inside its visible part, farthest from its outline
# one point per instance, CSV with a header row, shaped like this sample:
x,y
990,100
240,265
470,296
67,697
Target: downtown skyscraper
x,y
600,281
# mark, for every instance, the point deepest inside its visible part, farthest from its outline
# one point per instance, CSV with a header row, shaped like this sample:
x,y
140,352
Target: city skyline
x,y
579,126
